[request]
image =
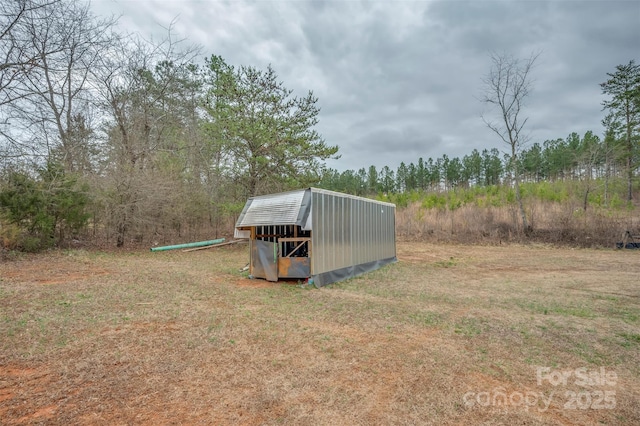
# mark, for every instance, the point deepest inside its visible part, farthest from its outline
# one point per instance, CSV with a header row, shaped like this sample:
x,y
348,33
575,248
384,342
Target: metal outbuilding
x,y
321,235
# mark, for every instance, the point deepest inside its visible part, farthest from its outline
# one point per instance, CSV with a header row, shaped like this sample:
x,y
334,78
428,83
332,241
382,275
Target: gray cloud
x,y
400,80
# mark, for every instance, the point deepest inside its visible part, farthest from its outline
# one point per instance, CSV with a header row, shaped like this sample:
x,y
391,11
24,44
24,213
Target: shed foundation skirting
x,y
325,278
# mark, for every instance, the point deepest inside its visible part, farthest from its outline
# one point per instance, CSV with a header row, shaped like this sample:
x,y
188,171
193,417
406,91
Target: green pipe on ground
x,y
189,245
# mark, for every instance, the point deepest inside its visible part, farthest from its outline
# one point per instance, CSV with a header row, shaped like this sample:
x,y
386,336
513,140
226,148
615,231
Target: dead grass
x,y
562,224
162,338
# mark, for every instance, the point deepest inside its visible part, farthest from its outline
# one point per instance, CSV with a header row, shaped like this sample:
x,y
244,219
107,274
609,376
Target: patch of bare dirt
x,y
18,384
261,283
254,283
56,271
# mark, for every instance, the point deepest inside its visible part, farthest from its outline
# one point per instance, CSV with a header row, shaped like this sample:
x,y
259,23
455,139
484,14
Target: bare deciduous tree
x,y
146,91
506,88
17,62
49,50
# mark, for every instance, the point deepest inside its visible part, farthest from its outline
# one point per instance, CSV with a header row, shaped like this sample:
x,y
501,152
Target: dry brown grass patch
x,y
162,338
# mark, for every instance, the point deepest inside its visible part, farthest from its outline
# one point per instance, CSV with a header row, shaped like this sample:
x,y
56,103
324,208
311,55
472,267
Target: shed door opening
x,y
285,248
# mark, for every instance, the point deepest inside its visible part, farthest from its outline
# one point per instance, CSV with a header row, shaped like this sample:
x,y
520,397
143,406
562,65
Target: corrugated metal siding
x,y
348,231
275,209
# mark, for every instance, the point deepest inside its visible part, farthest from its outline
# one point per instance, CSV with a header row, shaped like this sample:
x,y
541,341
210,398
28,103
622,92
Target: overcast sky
x,y
399,80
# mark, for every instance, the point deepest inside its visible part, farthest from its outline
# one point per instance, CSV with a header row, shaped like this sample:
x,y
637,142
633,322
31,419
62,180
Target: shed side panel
x,y
350,231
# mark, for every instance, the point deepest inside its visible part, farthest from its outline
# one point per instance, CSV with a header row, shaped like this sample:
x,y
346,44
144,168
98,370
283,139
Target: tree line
x,y
575,157
109,137
588,158
124,139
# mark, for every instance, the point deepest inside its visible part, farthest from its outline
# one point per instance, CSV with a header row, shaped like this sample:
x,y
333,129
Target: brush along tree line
x,y
112,137
109,137
589,159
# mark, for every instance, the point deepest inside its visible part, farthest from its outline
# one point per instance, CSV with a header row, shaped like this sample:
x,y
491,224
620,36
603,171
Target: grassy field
x,y
448,335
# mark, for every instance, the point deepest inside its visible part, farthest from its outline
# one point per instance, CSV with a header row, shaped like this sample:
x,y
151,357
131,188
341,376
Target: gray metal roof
x,y
285,208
